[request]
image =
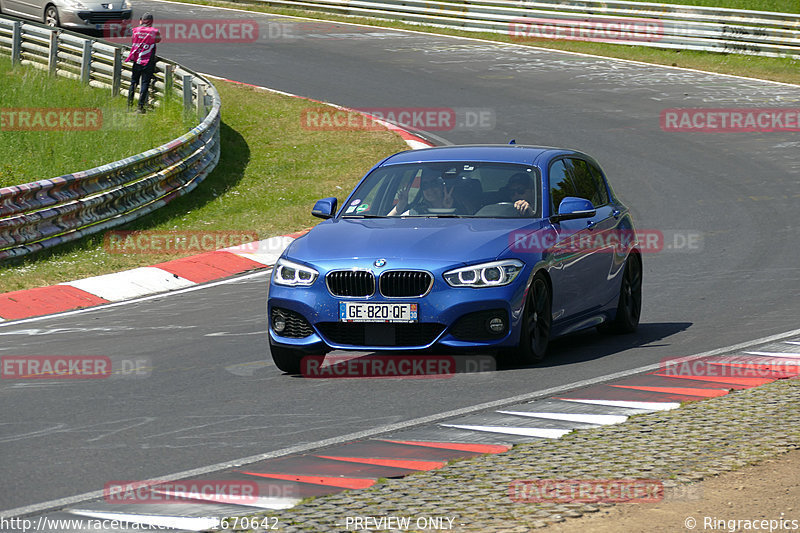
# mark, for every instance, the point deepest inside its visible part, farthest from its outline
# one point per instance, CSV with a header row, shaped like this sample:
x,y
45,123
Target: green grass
x,y
120,134
270,172
781,6
786,70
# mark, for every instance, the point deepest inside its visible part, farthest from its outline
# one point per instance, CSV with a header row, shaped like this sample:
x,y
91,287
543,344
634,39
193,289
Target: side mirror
x,y
325,208
572,208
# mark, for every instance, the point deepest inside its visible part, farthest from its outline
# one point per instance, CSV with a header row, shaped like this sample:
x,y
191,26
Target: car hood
x,y
445,240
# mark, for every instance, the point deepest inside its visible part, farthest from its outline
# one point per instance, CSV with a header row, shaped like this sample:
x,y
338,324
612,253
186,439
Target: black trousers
x,y
145,74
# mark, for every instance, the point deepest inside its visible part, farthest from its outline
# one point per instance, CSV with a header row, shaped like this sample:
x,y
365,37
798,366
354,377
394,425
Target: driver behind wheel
x,y
522,193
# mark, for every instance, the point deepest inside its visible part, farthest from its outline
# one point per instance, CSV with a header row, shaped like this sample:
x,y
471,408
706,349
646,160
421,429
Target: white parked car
x,y
70,14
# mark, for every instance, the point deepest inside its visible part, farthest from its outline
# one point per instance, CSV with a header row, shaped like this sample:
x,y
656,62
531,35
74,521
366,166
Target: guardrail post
x,y
201,99
187,92
52,55
86,62
16,43
169,74
116,75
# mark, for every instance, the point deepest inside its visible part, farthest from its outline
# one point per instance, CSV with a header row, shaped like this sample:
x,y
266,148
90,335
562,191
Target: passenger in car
x,y
435,195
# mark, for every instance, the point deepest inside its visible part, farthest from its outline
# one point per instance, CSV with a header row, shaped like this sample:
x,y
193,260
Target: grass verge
x,y
785,70
114,135
270,172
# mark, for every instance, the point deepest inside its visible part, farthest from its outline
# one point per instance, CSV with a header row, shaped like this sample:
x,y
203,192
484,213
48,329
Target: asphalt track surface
x,y
212,393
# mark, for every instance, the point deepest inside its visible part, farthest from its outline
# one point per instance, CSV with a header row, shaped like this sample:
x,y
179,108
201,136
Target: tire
x,y
629,306
286,359
51,16
537,320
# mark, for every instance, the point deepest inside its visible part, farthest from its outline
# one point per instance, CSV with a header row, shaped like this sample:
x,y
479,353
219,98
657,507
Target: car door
x,y
14,7
570,268
598,242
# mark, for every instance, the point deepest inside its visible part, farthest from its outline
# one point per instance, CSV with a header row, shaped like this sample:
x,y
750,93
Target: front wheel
x,y
629,306
51,16
286,359
536,322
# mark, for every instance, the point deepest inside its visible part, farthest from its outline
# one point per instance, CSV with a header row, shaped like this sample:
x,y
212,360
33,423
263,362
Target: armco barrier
x,y
48,212
621,22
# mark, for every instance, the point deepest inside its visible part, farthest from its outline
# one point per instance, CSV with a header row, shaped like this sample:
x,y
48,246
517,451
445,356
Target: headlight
x,y
292,274
494,274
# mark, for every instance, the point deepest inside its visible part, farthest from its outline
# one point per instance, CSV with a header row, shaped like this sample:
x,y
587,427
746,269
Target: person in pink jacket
x,y
143,57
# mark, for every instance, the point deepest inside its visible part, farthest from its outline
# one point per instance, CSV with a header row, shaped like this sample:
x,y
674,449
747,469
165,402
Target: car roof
x,y
495,153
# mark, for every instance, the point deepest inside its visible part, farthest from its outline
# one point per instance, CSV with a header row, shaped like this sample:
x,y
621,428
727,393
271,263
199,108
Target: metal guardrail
x,y
617,21
49,212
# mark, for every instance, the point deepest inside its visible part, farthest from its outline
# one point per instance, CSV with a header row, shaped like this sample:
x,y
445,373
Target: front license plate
x,y
377,312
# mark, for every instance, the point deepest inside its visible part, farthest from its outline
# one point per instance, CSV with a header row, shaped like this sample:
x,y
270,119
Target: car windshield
x,y
451,189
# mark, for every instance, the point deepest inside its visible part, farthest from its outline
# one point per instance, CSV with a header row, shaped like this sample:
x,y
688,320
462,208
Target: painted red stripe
x,y
397,463
341,482
209,266
702,393
477,448
45,301
746,382
297,234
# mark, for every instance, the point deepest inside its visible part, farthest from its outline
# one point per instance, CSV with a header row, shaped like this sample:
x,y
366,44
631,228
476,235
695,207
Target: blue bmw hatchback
x,y
495,248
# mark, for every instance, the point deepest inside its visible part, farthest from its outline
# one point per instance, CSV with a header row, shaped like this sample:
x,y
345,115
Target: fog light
x,y
278,323
496,325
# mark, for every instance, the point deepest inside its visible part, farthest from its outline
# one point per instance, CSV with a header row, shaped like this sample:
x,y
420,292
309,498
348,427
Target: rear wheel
x,y
629,307
51,16
286,359
536,322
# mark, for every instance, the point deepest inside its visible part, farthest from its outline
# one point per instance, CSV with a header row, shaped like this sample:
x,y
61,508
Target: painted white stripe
x,y
525,432
131,283
787,355
602,420
416,145
260,501
173,522
792,342
647,406
265,252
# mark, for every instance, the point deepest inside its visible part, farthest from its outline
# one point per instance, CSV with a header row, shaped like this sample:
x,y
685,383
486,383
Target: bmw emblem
x,y
379,262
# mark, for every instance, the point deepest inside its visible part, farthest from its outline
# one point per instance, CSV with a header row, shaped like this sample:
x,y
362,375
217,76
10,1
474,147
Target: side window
x,y
597,176
588,184
561,185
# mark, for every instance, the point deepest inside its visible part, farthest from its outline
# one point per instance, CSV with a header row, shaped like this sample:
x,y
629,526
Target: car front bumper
x,y
448,317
